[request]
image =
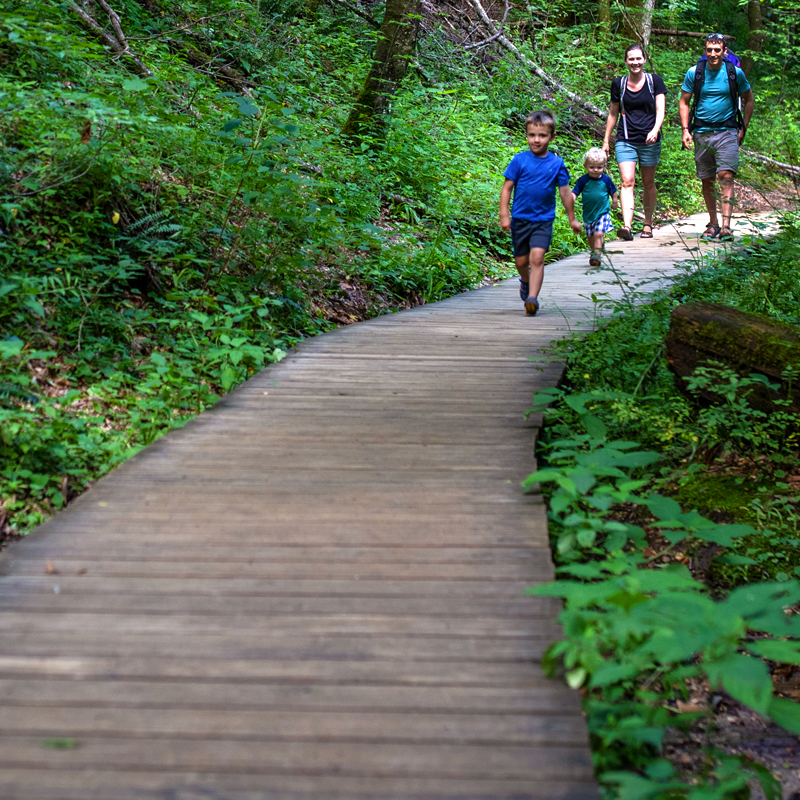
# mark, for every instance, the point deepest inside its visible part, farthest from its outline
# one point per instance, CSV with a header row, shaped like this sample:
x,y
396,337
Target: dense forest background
x,y
188,188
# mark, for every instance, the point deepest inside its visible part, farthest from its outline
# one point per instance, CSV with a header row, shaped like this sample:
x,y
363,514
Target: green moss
x,y
718,493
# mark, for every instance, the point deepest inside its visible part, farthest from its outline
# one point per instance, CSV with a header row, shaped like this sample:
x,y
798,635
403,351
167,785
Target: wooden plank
x,y
46,601
525,570
506,762
133,784
278,626
254,587
520,675
543,698
242,724
444,650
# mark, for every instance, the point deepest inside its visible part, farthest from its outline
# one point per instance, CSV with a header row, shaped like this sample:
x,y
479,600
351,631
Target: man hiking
x,y
715,127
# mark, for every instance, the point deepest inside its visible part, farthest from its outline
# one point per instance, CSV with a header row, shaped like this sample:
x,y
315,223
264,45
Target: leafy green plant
x,y
636,631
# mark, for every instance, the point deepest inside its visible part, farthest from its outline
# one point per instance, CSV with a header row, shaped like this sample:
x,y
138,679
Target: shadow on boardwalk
x,y
314,590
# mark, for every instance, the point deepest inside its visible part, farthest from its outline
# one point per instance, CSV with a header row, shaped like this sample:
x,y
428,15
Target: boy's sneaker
x,y
523,290
594,260
531,306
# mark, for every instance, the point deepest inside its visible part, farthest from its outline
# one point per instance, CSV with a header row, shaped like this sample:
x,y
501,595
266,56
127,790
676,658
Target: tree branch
x,y
120,43
692,34
537,70
787,169
494,36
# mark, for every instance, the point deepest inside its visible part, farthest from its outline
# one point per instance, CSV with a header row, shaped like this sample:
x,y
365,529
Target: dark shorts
x,y
526,235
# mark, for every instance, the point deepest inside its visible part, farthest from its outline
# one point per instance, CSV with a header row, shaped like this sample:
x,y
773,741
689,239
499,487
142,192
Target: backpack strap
x,y
699,81
623,85
730,68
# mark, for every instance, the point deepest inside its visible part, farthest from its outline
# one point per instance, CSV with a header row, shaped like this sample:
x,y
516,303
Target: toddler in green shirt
x,y
599,197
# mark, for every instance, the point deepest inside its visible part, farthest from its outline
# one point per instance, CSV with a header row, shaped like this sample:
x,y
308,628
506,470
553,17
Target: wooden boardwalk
x,y
314,590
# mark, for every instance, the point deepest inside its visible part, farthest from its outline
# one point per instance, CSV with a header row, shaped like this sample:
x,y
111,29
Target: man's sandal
x,y
711,232
624,233
725,235
646,234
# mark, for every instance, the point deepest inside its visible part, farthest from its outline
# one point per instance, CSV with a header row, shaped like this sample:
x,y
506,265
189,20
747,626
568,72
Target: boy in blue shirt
x,y
598,189
533,176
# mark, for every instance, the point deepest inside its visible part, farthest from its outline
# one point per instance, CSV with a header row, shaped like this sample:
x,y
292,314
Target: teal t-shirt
x,y
714,105
596,193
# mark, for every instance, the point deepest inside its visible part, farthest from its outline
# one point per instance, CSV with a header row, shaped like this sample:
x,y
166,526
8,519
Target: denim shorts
x,y
715,151
648,155
526,235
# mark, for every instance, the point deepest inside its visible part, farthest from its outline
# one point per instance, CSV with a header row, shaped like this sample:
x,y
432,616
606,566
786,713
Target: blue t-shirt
x,y
535,181
714,105
596,195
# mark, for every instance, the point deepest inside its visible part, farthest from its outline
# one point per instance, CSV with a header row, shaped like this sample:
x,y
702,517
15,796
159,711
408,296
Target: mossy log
x,y
748,343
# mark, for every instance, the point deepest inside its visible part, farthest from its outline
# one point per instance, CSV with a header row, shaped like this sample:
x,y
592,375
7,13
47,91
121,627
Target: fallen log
x,y
691,34
700,333
788,169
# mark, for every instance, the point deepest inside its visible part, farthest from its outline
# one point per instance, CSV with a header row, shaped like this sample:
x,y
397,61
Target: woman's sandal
x,y
624,233
725,235
646,234
711,232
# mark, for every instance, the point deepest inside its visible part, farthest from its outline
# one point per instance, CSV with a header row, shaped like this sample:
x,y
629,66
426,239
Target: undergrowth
x,y
674,528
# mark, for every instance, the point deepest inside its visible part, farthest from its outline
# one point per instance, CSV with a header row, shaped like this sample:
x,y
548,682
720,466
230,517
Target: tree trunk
x,y
647,22
395,46
755,42
603,18
631,19
703,332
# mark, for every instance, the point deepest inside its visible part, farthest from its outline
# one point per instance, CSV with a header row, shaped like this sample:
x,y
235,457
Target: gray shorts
x,y
715,151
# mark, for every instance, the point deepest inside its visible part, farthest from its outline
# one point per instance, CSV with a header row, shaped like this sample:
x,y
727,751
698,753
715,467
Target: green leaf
x,y
540,476
785,713
777,650
732,558
61,743
770,785
627,600
665,508
576,677
586,537
748,680
34,305
227,378
135,85
594,426
640,458
11,347
613,673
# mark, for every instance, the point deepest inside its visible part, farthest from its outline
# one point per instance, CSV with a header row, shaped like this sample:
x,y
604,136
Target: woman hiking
x,y
637,102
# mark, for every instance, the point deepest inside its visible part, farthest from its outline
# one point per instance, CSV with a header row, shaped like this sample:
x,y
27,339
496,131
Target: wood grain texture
x,y
316,588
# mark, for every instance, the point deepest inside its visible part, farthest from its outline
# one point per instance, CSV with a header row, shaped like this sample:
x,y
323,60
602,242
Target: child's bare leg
x,y
597,241
523,267
531,269
536,266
